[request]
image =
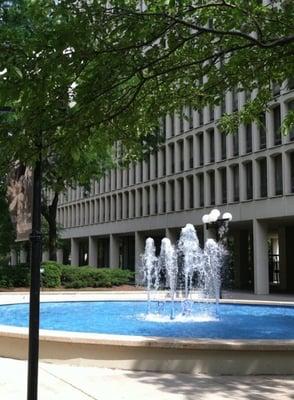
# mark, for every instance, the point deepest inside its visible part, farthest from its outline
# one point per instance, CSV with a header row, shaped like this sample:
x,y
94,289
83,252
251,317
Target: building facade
x,y
250,174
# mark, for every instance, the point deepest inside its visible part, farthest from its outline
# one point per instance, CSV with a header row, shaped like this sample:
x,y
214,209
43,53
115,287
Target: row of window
x,y
192,191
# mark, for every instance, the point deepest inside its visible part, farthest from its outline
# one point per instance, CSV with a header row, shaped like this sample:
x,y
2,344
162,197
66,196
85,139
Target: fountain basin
x,y
213,356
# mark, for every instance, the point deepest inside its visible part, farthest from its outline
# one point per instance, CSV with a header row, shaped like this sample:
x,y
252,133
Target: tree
x,y
45,68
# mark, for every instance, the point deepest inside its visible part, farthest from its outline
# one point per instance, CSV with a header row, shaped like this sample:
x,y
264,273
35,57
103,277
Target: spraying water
x,y
168,263
198,270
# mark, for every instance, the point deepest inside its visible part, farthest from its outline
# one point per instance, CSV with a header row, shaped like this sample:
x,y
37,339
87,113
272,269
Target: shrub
x,y
51,276
14,276
78,277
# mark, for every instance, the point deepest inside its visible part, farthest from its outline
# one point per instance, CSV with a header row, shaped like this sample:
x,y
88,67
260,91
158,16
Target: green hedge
x,y
56,275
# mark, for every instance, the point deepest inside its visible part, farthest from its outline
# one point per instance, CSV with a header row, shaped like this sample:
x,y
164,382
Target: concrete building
x,y
250,174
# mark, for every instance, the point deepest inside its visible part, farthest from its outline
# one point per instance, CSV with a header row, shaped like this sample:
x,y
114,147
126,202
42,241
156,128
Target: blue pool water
x,y
129,318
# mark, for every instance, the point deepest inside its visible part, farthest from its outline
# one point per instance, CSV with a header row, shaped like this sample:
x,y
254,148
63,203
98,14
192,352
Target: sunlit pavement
x,y
58,382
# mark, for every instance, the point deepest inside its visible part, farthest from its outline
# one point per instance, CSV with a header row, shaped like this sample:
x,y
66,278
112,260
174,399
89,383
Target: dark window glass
x,y
292,171
164,126
211,145
277,125
172,157
164,161
262,131
236,143
248,129
223,145
235,99
201,156
181,154
201,190
224,185
236,183
200,112
249,181
172,120
263,177
291,108
181,190
211,113
181,123
190,117
212,187
191,191
191,154
278,175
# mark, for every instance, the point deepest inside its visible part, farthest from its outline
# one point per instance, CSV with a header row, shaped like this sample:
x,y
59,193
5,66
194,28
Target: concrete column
x,y
177,124
282,258
196,191
96,211
139,250
101,210
171,234
187,153
23,256
269,128
168,160
160,198
113,251
217,144
242,139
168,125
206,148
160,161
186,118
255,137
261,276
93,252
59,256
178,145
91,219
74,251
13,257
196,146
153,165
45,255
177,195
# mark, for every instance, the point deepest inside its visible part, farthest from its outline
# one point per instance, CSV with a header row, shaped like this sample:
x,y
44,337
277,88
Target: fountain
x,y
187,270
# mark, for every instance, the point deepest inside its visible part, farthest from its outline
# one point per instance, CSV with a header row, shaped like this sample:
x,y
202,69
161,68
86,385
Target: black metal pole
x,y
36,257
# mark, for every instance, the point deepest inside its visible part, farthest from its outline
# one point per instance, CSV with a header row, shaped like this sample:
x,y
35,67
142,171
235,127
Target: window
x,y
172,194
291,108
181,122
181,193
277,125
181,155
223,105
248,129
156,155
172,157
172,124
191,154
163,161
190,117
212,186
262,131
236,189
278,175
163,197
223,174
191,191
164,126
200,112
292,172
211,144
263,177
200,147
201,189
223,146
155,196
249,181
235,99
211,113
236,144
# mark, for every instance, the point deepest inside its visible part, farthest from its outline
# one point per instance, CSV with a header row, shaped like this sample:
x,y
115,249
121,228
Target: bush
x,y
56,275
51,276
79,277
14,276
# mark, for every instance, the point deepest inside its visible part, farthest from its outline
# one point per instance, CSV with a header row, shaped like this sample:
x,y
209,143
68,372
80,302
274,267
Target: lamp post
x,y
35,263
213,220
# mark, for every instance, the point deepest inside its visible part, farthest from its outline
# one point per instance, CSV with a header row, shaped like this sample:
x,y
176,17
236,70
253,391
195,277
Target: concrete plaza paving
x,y
61,382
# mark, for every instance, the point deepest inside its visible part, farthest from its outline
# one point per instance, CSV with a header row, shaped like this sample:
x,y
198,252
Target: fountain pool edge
x,y
207,356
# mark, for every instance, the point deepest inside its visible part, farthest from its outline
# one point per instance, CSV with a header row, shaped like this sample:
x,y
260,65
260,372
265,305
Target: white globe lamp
x,y
228,216
214,215
206,219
